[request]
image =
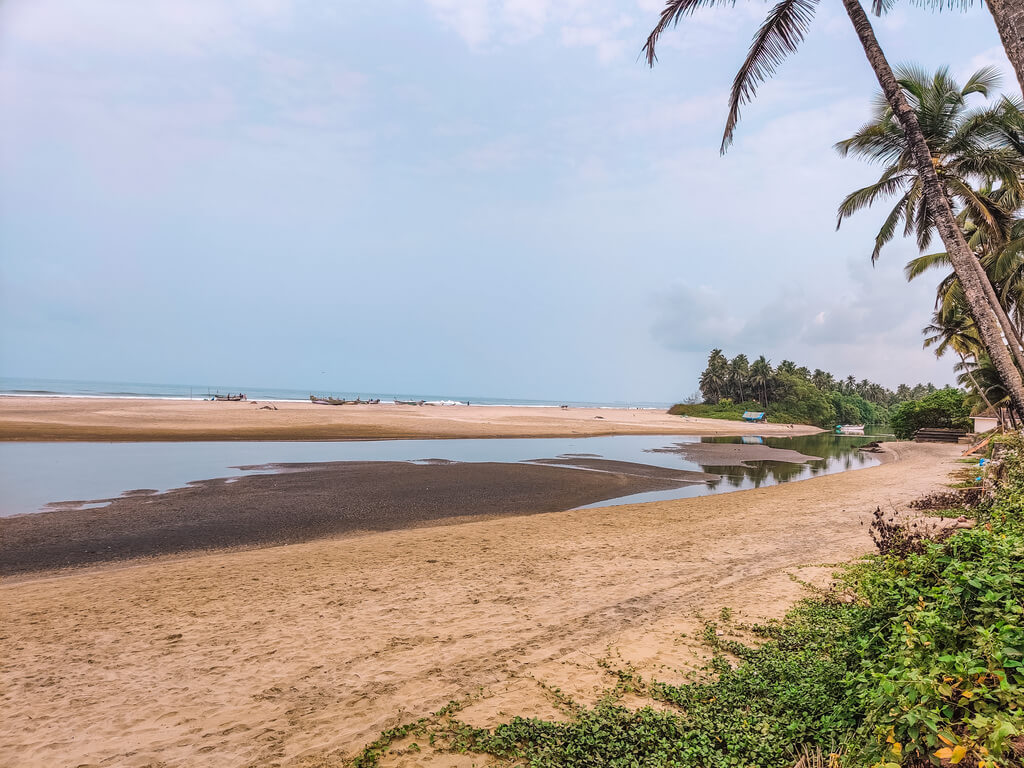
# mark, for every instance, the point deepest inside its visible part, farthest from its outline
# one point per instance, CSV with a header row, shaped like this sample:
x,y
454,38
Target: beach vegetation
x,y
947,408
915,657
792,393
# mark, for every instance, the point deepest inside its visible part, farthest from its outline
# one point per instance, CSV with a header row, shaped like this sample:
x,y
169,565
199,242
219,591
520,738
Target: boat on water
x,y
849,429
229,398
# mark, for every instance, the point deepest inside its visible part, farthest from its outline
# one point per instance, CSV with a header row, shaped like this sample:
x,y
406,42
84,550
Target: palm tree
x,y
982,382
715,377
1002,260
786,366
780,34
761,376
739,373
822,380
968,148
1009,18
953,330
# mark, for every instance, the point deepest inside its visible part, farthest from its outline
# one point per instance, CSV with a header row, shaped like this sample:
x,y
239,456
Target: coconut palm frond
x,y
671,14
943,5
981,210
891,183
888,230
1007,260
877,142
780,35
918,266
924,225
983,81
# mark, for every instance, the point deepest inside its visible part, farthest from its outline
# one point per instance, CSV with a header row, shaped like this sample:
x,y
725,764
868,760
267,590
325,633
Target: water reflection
x,y
835,452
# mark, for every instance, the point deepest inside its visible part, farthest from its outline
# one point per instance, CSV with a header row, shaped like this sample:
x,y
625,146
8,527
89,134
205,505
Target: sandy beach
x,y
73,418
298,655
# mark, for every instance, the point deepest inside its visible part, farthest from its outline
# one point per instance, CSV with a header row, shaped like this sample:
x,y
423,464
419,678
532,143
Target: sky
x,y
480,197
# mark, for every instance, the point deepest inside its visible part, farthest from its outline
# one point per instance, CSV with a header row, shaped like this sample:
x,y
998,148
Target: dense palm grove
x,y
793,393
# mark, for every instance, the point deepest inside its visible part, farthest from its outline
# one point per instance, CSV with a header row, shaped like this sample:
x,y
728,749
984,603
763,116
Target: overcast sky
x,y
487,197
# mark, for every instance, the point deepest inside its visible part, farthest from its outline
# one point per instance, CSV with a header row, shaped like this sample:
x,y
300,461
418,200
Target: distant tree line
x,y
795,393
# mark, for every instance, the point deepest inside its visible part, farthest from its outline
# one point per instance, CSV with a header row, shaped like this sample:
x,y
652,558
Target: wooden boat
x,y
851,429
335,401
230,398
316,400
408,402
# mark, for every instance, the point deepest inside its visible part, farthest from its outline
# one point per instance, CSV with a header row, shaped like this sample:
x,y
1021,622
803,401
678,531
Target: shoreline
x,y
301,654
308,502
96,419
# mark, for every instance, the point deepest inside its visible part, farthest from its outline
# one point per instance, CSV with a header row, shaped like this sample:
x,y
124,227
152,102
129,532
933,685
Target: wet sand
x,y
310,501
57,418
298,655
734,454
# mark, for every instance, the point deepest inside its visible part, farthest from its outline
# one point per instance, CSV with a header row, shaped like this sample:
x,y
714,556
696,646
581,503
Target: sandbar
x,y
734,454
84,418
302,502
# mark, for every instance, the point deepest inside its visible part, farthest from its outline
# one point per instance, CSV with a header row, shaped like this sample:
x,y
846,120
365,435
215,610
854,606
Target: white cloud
x,y
695,319
596,24
471,19
868,325
501,154
182,27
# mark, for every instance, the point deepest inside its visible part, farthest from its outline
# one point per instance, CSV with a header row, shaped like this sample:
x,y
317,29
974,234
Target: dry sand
x,y
298,655
66,418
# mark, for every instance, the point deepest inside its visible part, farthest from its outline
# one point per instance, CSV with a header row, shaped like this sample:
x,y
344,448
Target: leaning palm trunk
x,y
1009,16
1010,330
978,388
964,263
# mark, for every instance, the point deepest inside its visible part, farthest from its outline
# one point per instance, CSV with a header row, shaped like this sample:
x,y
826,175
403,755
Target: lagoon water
x,y
33,475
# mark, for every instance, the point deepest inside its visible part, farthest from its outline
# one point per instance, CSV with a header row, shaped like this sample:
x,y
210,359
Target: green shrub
x,y
944,409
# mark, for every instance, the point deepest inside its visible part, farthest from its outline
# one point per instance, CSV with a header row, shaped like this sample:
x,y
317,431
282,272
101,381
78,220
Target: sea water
x,y
28,387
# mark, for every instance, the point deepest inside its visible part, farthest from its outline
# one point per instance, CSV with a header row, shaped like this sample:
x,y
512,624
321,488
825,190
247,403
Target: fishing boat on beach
x,y
229,398
408,402
317,400
335,401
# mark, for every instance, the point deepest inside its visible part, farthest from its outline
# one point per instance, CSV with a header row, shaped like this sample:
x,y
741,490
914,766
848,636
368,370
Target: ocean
x,y
28,387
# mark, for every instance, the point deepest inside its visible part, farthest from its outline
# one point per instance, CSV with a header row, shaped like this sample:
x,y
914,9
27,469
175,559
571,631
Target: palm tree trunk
x,y
1010,330
964,263
1009,16
980,391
